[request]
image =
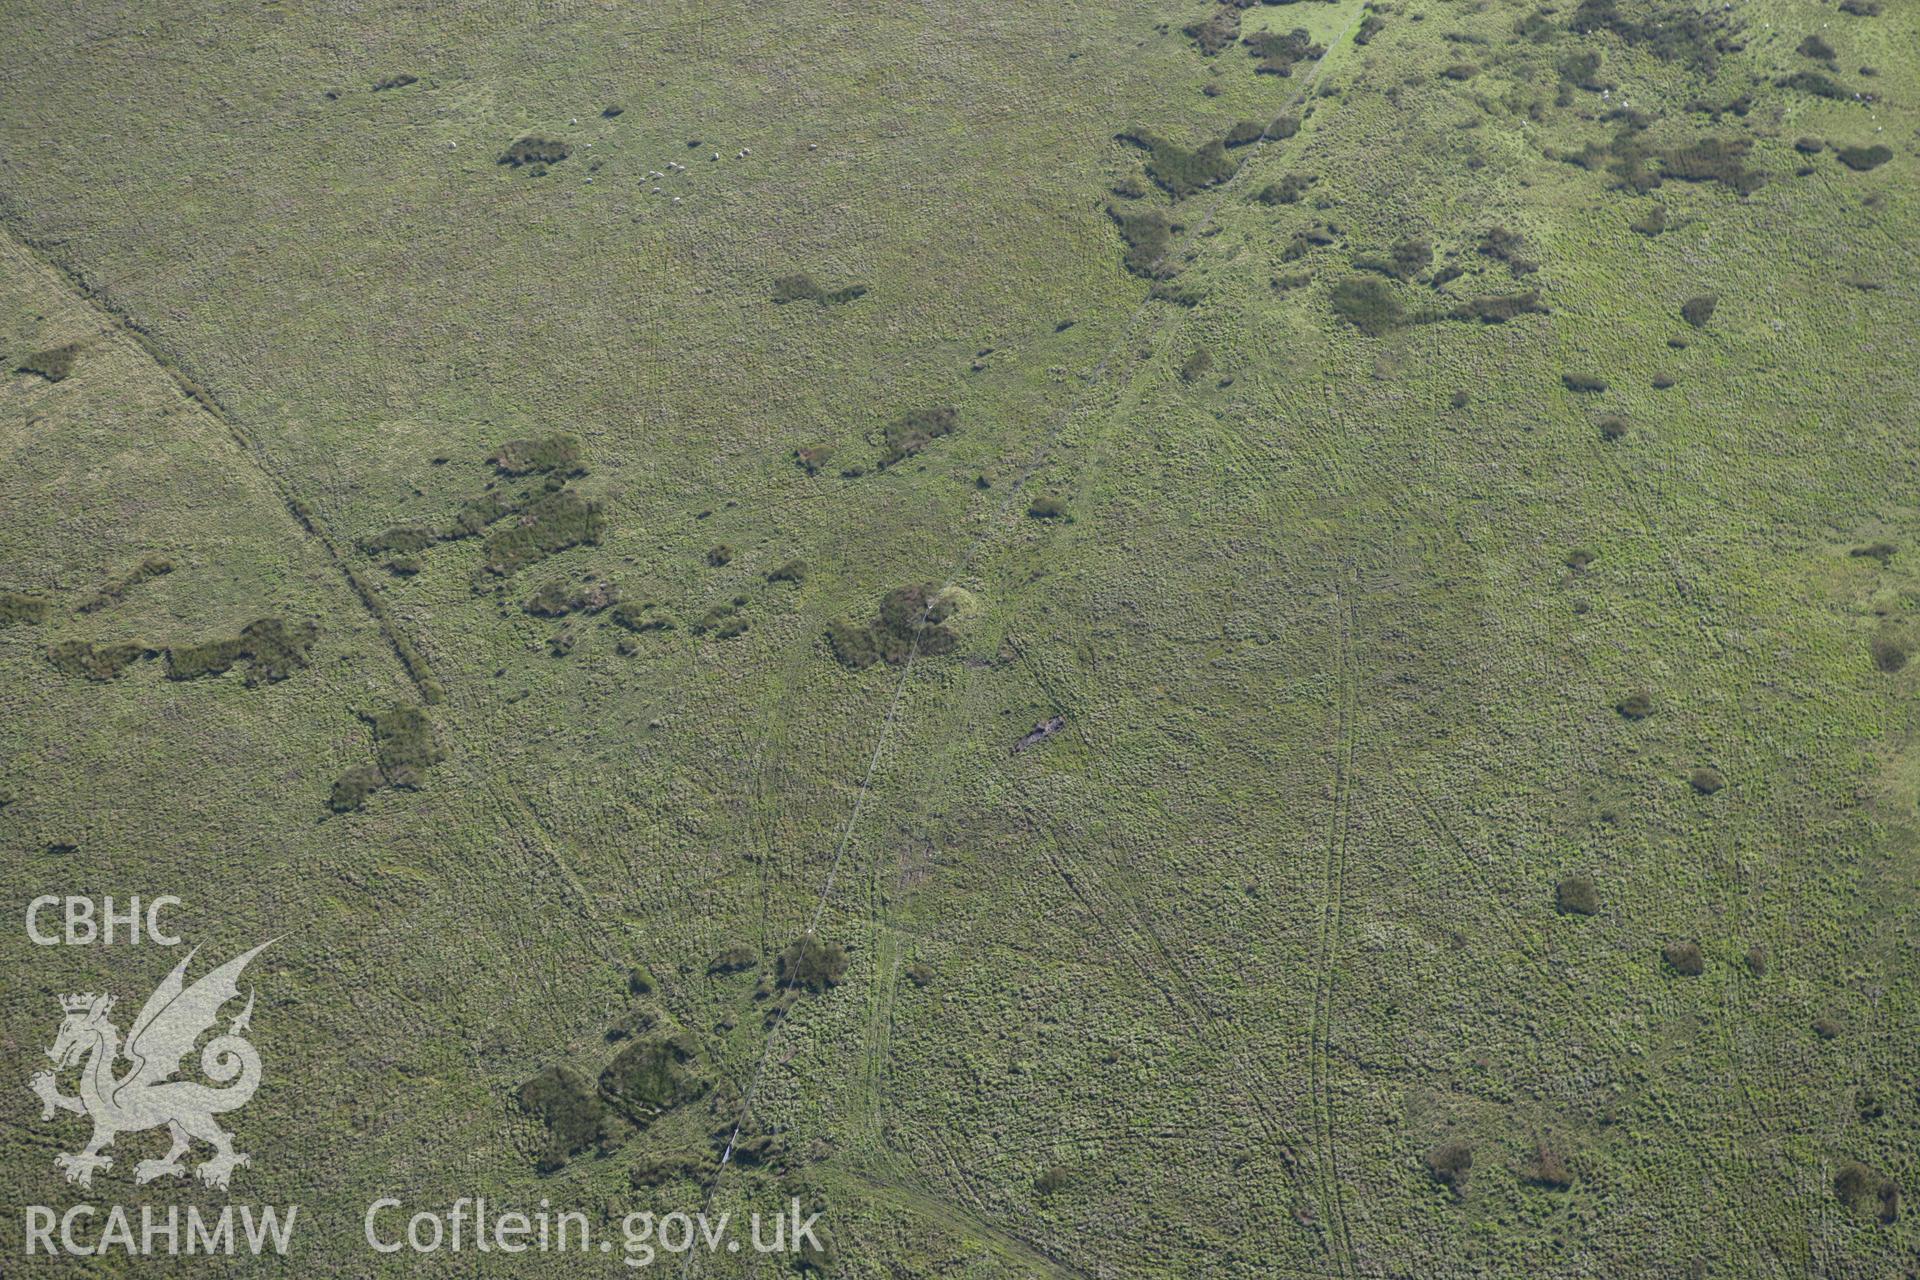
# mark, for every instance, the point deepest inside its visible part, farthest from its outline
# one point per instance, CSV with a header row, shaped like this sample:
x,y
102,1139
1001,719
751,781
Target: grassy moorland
x,y
629,478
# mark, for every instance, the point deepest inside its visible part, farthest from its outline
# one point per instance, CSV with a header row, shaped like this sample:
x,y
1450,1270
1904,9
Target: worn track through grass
x,y
1094,378
1332,915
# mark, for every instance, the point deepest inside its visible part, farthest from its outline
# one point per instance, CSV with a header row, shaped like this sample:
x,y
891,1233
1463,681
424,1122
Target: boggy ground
x,y
1480,838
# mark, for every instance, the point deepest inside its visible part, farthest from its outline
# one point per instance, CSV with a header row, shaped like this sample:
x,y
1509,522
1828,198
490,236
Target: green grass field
x,y
1392,548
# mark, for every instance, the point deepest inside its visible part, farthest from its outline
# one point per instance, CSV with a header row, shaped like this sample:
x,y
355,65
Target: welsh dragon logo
x,y
146,1096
